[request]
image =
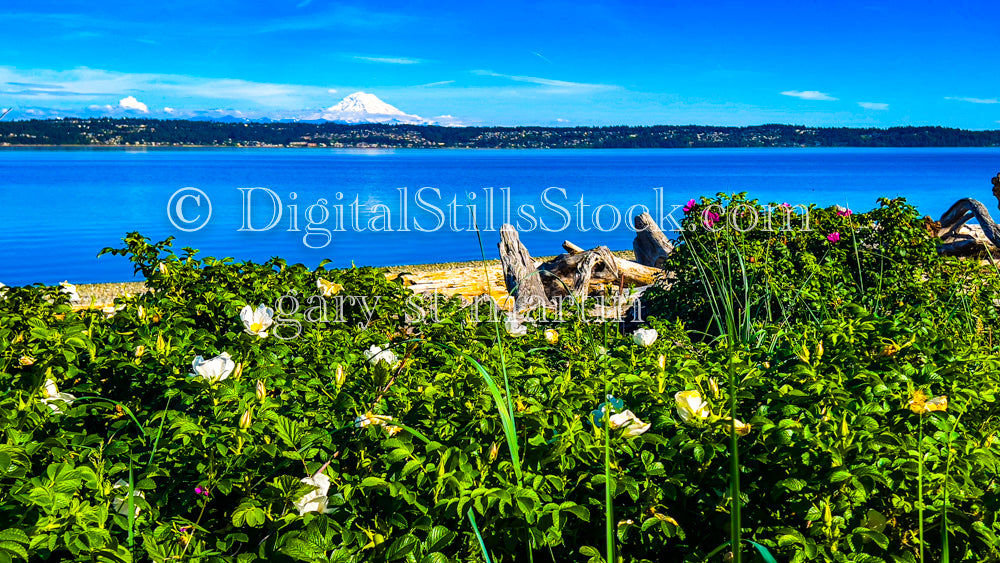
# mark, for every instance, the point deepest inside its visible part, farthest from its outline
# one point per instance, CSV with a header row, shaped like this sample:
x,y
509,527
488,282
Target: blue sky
x,y
813,63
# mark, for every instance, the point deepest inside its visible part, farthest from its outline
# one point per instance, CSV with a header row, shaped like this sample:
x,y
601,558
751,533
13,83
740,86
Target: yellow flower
x,y
691,408
551,336
328,288
742,428
378,420
920,404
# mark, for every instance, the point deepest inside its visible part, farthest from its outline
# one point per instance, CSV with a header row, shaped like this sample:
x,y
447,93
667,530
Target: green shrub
x,y
828,469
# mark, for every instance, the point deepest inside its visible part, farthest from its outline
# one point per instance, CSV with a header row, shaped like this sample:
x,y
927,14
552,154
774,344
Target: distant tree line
x,y
107,131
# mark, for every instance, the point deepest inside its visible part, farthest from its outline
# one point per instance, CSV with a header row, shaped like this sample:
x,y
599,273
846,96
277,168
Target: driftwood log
x,y
959,239
651,246
519,273
578,272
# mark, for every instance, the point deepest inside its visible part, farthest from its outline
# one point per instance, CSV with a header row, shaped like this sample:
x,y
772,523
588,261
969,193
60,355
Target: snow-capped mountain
x,y
362,107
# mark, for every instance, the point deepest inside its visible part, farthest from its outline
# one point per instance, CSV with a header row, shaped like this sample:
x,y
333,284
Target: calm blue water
x,y
61,206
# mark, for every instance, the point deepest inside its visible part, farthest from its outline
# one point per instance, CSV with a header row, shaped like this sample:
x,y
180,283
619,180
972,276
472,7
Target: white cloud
x,y
561,86
331,90
388,60
168,110
974,100
812,95
433,84
95,86
130,103
874,105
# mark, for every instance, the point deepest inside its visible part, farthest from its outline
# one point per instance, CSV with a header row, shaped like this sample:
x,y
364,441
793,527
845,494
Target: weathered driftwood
x,y
634,274
959,239
571,248
578,271
651,246
519,271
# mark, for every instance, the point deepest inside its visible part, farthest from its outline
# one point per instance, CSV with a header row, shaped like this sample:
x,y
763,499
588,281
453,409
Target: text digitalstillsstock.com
x,y
262,209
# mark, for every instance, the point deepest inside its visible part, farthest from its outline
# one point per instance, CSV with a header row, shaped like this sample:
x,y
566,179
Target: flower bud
x,y
340,377
26,360
662,361
142,312
494,450
246,419
140,350
713,386
163,268
261,390
238,370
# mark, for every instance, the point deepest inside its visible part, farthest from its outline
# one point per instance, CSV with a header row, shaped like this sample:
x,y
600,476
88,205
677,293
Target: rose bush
x,y
351,434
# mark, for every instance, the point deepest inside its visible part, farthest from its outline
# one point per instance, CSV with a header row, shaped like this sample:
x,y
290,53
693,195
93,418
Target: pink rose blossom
x,y
709,218
833,237
689,206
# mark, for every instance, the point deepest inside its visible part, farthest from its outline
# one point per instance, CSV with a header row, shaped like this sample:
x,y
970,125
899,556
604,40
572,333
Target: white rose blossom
x,y
54,399
215,369
257,321
375,354
644,337
120,504
514,327
630,422
315,500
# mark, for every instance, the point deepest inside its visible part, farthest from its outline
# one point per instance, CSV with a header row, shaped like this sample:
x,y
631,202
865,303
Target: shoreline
x,y
448,278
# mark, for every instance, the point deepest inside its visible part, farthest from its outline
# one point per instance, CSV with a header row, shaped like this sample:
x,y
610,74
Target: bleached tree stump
x,y
651,246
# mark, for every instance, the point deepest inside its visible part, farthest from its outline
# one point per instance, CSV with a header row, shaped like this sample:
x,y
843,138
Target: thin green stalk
x,y
131,505
945,556
920,484
608,509
734,466
475,528
159,432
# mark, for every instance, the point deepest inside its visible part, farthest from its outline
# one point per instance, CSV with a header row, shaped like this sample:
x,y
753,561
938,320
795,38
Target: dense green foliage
x,y
134,131
837,338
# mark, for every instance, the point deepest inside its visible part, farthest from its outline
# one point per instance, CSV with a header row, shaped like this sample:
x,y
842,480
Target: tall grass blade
x,y
475,528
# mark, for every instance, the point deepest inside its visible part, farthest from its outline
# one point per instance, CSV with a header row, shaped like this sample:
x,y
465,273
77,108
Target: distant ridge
x,y
158,132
